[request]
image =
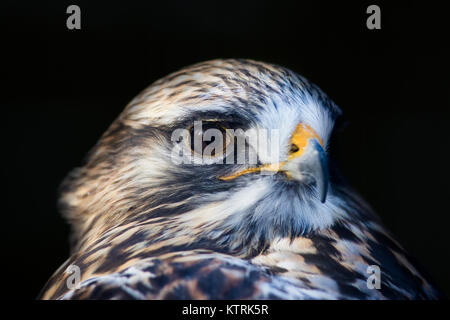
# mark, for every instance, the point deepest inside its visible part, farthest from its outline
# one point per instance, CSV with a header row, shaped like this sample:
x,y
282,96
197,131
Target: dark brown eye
x,y
209,139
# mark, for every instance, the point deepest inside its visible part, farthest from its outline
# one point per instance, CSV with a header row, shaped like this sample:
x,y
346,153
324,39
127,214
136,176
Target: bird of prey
x,y
156,216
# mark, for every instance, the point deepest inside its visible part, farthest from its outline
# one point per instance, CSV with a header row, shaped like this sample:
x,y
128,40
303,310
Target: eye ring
x,y
227,138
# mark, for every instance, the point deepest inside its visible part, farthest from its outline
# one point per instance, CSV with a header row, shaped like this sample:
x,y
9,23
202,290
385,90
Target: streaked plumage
x,y
145,227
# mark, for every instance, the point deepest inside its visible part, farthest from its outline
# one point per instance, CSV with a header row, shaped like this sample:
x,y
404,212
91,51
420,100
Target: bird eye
x,y
209,139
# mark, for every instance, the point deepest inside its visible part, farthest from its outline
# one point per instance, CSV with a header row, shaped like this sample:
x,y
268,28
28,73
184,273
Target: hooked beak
x,y
310,168
306,163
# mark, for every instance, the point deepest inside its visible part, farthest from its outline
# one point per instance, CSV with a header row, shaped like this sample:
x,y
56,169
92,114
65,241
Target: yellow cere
x,y
300,137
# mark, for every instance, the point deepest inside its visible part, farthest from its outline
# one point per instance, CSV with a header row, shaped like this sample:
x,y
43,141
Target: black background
x,y
62,88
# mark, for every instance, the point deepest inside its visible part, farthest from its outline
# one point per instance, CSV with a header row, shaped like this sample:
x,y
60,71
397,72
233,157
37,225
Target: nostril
x,y
294,148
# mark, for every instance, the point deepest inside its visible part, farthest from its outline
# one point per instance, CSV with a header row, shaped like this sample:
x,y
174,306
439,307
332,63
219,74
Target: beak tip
x,y
321,170
323,196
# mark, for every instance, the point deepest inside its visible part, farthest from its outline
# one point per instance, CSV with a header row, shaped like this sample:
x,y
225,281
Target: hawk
x,y
159,215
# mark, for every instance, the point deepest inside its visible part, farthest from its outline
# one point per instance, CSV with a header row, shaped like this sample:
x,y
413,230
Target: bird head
x,y
225,154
